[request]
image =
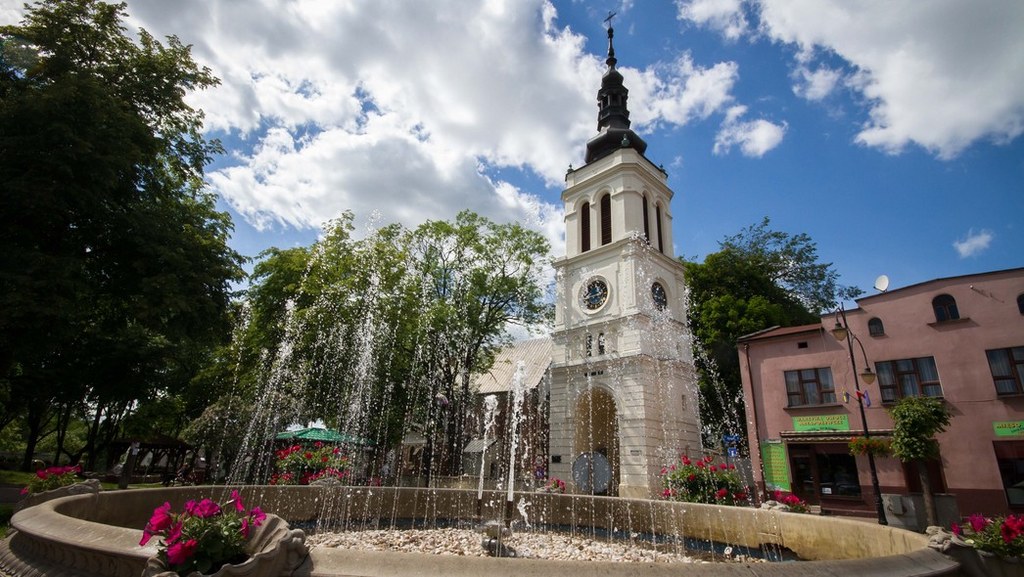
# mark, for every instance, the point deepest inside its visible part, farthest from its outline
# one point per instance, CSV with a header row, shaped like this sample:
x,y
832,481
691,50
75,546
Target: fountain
x,y
98,534
623,404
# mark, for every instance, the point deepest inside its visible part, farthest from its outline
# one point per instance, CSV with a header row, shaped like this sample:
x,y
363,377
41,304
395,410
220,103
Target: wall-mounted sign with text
x,y
1008,428
775,464
821,423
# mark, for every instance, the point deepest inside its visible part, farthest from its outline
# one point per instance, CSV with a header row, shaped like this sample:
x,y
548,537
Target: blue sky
x,y
888,131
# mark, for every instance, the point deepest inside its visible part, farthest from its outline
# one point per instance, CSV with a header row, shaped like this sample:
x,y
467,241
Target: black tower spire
x,y
612,113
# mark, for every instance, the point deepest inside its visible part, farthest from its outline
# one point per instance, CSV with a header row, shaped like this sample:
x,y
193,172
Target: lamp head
x,y
840,332
867,376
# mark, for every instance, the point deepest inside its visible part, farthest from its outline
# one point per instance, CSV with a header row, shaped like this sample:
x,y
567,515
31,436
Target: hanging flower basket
x,y
870,446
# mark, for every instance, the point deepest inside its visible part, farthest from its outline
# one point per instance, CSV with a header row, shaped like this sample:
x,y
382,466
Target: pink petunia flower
x,y
977,522
181,552
258,516
161,518
173,534
238,501
206,508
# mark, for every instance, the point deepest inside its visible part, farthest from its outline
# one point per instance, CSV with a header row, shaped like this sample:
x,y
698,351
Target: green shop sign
x,y
1008,428
775,466
821,423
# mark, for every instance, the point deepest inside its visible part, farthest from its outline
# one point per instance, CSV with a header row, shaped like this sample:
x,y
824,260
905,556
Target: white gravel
x,y
466,542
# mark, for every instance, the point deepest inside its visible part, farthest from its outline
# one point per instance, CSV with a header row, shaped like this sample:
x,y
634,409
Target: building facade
x,y
960,339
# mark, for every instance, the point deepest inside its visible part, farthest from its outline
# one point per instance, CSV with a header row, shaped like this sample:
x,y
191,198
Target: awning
x,y
830,436
313,434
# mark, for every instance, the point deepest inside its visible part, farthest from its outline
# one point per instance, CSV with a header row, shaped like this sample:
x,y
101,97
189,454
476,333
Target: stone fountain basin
x,y
98,534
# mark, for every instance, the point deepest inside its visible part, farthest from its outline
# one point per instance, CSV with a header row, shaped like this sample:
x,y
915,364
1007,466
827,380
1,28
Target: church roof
x,y
536,356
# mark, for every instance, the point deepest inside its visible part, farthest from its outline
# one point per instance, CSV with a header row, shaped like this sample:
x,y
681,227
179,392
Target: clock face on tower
x,y
659,296
594,294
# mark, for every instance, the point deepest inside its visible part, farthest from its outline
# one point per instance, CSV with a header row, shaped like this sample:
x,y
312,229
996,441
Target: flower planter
x,y
274,550
995,566
90,487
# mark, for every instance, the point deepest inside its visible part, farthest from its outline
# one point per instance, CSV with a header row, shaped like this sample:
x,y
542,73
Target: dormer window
x,y
945,308
876,328
1020,303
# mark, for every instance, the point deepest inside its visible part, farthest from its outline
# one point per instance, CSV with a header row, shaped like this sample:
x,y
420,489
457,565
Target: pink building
x,y
960,338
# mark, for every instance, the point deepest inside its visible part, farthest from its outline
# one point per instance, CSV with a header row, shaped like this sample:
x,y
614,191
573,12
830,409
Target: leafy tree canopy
x,y
916,421
758,279
115,271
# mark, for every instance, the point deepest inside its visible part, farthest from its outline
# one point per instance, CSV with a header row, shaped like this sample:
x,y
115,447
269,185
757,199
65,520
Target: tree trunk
x,y
36,420
926,490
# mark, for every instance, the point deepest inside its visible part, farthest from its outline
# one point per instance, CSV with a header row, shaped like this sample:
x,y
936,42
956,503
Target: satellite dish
x,y
882,283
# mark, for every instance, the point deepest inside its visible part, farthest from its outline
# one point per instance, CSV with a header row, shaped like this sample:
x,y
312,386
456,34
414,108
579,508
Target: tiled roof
x,y
536,355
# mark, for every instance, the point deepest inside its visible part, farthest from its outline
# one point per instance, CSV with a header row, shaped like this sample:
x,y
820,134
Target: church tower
x,y
623,395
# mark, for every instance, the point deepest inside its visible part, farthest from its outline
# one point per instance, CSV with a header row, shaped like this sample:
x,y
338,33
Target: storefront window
x,y
1010,456
823,471
838,475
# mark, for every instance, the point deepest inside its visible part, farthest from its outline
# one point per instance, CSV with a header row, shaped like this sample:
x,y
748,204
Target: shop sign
x,y
775,465
1008,428
821,423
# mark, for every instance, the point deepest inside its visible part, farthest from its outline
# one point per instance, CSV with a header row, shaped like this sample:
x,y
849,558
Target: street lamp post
x,y
842,333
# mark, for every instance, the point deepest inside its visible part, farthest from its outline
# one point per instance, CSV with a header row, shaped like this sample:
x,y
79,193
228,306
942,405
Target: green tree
x,y
380,334
916,421
759,278
115,269
478,277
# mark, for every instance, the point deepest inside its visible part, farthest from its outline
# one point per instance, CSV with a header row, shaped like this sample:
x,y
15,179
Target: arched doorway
x,y
596,466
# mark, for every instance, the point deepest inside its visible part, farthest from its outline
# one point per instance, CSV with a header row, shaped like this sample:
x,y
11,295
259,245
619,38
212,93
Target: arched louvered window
x,y
647,223
945,308
657,218
585,227
875,327
606,219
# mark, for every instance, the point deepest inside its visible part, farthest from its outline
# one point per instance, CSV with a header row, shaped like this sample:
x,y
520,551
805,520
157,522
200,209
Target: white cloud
x,y
941,74
407,109
388,107
724,16
973,243
815,84
679,92
754,137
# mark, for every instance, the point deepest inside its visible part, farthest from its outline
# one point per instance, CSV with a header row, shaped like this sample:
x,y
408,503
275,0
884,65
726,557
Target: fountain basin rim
x,y
103,530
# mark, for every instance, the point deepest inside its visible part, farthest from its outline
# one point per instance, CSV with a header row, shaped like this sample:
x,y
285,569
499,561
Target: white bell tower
x,y
623,394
